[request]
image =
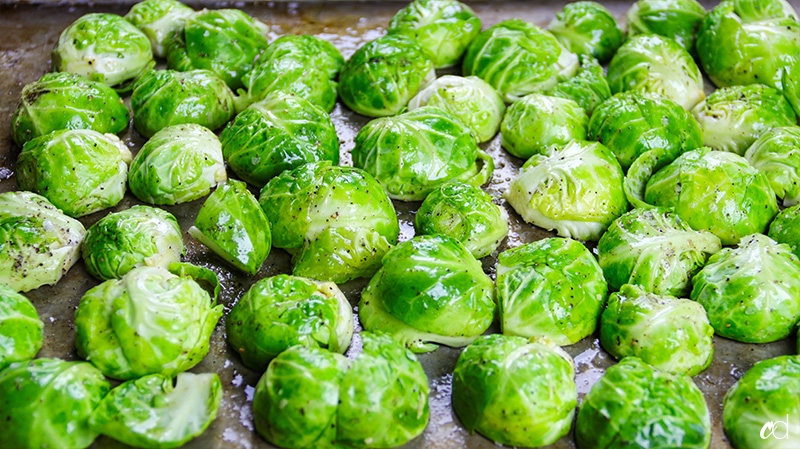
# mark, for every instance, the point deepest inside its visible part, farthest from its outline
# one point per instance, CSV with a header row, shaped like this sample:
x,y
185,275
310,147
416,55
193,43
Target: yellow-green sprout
x,y
785,228
21,330
675,19
539,124
587,28
159,20
777,154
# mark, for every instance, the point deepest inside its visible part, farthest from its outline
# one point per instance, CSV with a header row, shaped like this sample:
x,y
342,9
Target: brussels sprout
x,y
588,88
150,413
671,334
67,101
180,163
650,63
21,333
416,152
336,221
777,154
637,406
444,28
80,171
656,250
576,190
150,321
587,28
306,50
675,19
790,85
46,403
159,20
517,59
224,41
466,213
282,311
429,290
135,237
383,75
538,124
38,243
550,288
768,393
785,228
751,293
515,392
279,133
470,99
104,48
715,191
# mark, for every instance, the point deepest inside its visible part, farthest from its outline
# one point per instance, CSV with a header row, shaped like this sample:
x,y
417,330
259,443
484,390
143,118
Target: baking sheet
x,y
28,34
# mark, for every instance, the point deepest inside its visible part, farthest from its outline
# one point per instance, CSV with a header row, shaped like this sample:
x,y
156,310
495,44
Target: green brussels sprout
x,y
277,134
671,334
150,321
152,413
767,394
384,75
576,190
282,311
785,228
776,153
311,398
79,170
159,20
21,333
674,19
517,59
429,290
630,124
105,48
180,163
414,153
790,85
715,191
67,101
46,403
224,41
538,124
589,88
135,237
470,99
655,249
38,243
587,28
466,213
444,28
306,50
551,288
649,63
336,221
751,293
637,406
515,392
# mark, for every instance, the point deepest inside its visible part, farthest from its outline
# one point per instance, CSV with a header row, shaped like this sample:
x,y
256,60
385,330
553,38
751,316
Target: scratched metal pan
x,y
27,34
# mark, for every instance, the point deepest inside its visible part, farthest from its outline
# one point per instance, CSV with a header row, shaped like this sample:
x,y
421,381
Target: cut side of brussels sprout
x,y
674,19
588,88
159,20
539,124
785,228
21,333
587,28
777,154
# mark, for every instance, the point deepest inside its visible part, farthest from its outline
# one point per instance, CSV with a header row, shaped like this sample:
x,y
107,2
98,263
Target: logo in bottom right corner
x,y
776,429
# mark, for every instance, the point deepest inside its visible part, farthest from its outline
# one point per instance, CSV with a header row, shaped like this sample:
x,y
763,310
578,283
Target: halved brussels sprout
x,y
159,20
224,41
180,163
675,19
444,28
470,99
135,237
38,243
416,152
384,75
466,213
777,154
517,59
551,288
751,293
152,413
715,191
576,190
104,48
150,321
589,88
671,334
785,228
46,403
21,333
587,28
336,221
515,392
80,171
637,406
656,250
277,134
538,124
67,101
